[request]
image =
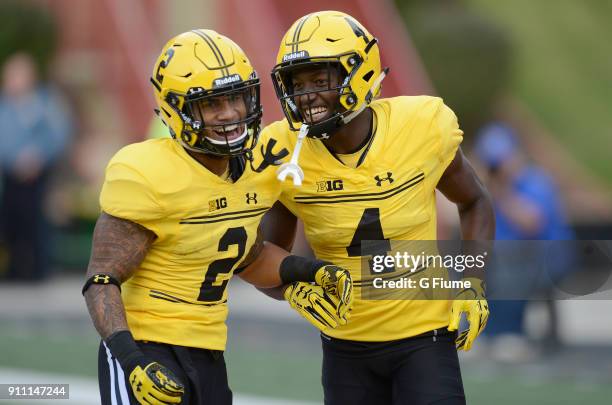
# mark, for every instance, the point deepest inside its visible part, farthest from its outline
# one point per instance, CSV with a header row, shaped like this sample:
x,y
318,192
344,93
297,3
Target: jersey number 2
x,y
369,239
208,291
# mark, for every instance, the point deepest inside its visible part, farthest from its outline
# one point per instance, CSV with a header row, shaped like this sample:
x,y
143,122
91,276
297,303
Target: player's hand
x,y
472,301
338,283
314,304
153,383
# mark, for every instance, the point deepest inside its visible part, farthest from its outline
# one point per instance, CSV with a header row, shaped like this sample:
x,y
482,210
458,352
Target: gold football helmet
x,y
334,40
200,70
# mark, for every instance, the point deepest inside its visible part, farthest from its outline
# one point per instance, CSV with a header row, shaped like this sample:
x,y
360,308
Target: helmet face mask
x,y
201,111
305,89
337,40
207,94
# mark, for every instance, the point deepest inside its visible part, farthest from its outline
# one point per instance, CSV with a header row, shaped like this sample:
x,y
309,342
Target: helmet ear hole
x,y
368,76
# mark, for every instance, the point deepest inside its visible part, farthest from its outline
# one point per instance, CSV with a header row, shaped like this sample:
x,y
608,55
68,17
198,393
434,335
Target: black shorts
x,y
201,371
418,370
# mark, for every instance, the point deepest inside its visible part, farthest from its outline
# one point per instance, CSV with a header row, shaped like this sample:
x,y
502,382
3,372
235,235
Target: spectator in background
x,y
35,128
527,207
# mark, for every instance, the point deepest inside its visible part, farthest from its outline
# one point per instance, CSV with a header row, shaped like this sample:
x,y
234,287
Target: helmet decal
x,y
331,40
200,70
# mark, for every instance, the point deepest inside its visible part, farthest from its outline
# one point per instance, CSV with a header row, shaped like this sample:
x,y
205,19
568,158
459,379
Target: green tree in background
x,y
30,29
467,57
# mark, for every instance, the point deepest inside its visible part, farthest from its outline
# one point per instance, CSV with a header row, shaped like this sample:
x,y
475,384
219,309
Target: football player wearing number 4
x,y
180,217
366,169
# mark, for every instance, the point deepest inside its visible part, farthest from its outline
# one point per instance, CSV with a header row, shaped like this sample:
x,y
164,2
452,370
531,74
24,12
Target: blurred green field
x,y
563,69
259,365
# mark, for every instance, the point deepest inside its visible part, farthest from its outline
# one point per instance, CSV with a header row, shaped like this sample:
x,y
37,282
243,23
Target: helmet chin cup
x,y
292,168
326,128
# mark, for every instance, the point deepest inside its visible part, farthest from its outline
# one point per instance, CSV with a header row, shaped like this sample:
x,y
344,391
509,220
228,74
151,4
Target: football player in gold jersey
x,y
179,217
366,169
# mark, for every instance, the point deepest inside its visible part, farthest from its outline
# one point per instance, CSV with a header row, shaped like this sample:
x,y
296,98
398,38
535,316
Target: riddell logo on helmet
x,y
295,55
226,80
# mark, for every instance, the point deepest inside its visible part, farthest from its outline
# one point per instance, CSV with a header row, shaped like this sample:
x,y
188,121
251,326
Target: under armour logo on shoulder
x,y
98,279
379,180
250,198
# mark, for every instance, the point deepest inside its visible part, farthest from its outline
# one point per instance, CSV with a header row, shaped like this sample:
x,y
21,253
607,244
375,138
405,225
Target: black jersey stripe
x,y
167,297
226,214
211,221
408,186
360,197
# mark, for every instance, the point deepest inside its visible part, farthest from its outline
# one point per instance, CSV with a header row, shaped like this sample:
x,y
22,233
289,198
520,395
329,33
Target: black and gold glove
x,y
472,301
334,280
151,382
314,304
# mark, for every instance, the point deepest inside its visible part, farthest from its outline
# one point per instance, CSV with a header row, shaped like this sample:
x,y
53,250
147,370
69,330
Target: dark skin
x,y
119,245
350,136
459,183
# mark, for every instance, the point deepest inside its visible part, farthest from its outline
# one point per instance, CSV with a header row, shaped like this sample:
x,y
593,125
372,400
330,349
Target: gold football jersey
x,y
389,196
205,226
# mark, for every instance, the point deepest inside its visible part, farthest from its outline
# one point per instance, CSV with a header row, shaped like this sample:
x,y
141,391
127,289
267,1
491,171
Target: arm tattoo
x,y
119,246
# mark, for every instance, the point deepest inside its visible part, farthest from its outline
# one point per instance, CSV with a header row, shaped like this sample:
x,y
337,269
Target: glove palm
x,y
472,301
314,304
337,282
153,383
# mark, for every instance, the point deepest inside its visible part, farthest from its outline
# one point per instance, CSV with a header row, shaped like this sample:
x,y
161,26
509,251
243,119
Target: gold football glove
x,y
338,283
155,384
472,301
314,304
151,382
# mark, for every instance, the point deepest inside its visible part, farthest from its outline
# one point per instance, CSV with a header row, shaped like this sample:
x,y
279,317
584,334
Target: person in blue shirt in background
x,y
527,207
35,129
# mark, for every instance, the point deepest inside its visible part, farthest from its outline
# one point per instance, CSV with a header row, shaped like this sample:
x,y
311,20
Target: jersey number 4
x,y
210,292
369,239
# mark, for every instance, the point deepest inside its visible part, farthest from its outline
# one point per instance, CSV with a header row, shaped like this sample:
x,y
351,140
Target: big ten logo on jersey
x,y
219,203
330,185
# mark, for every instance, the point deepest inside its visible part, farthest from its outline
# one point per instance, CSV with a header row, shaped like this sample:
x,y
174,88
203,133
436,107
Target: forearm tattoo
x,y
118,247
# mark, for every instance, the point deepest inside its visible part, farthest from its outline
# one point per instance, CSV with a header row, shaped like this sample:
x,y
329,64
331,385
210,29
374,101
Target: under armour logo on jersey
x,y
98,279
250,198
379,180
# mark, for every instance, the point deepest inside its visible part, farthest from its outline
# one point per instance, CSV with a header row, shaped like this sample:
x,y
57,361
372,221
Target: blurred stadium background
x,y
543,67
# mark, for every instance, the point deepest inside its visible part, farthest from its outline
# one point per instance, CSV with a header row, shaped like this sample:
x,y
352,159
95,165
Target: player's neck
x,y
215,164
351,136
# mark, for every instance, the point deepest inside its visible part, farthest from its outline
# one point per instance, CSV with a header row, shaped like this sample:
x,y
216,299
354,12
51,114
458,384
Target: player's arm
x,y
461,185
119,246
279,227
325,305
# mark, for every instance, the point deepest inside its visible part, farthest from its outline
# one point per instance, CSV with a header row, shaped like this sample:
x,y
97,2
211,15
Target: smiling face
x,y
219,115
315,90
